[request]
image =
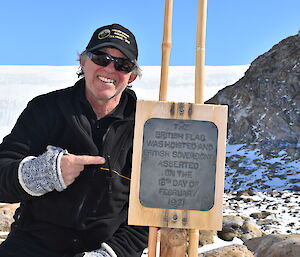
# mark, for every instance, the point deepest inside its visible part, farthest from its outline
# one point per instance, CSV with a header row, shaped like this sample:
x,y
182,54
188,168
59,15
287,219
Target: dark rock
x,y
264,115
264,105
260,215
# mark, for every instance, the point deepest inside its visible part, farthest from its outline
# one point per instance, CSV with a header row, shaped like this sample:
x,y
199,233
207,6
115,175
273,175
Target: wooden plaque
x,y
178,165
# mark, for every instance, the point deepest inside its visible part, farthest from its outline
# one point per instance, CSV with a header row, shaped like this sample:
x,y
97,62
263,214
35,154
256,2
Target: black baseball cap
x,y
116,36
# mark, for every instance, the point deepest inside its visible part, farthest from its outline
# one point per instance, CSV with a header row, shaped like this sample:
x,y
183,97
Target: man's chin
x,y
107,97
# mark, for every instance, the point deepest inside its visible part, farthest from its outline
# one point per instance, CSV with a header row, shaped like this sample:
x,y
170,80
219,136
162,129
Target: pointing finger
x,y
87,159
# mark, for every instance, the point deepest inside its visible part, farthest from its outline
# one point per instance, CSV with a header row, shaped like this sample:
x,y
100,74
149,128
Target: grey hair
x,y
83,56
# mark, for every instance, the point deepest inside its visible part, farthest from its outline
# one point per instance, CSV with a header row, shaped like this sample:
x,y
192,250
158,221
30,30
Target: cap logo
x,y
121,35
104,34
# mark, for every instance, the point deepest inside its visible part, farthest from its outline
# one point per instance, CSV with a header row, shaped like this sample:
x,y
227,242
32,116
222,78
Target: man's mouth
x,y
106,80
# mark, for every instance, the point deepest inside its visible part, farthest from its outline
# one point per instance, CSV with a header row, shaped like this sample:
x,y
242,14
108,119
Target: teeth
x,y
107,80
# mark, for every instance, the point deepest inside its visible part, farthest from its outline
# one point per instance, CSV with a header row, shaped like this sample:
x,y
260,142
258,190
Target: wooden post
x,y
193,242
163,90
199,95
200,52
174,242
166,49
152,241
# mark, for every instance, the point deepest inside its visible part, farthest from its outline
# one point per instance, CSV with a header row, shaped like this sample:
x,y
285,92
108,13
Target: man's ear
x,y
132,78
82,63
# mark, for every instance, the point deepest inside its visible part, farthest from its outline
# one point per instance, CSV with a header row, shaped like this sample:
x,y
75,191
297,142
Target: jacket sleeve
x,y
129,241
26,139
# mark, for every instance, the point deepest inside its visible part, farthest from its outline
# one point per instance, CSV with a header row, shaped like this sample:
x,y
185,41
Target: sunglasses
x,y
104,59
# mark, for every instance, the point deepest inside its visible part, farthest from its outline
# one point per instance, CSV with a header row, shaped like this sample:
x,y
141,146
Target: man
x,y
68,160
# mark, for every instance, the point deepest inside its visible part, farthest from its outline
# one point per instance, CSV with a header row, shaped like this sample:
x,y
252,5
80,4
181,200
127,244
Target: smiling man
x,y
68,160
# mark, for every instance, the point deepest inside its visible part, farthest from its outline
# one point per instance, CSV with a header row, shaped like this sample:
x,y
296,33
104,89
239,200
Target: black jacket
x,y
94,208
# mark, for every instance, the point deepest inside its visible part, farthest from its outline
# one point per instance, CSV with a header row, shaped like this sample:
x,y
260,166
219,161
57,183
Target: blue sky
x,y
52,32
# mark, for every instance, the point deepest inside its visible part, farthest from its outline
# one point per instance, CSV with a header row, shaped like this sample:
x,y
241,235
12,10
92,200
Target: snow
x,y
19,84
284,208
275,171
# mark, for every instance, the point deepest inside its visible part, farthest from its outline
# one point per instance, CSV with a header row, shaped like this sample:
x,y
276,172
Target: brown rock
x,y
240,227
275,245
245,193
228,251
6,216
260,215
206,237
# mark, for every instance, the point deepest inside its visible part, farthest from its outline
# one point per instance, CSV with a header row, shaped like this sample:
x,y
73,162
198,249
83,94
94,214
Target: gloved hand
x,y
96,253
42,174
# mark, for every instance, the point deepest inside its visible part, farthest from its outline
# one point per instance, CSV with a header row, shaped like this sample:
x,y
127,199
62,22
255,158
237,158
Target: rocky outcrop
x,y
264,105
264,121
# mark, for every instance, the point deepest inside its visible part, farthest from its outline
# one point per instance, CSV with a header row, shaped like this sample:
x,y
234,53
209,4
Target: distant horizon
x,y
236,31
20,83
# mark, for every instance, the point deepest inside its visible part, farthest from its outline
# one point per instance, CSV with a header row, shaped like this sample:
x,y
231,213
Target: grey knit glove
x,y
42,174
97,253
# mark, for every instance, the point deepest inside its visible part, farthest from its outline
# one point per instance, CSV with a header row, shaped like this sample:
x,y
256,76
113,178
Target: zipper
x,y
107,156
109,177
122,143
78,223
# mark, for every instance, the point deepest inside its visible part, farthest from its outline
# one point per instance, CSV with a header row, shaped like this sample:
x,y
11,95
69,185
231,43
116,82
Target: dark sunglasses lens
x,y
124,65
102,60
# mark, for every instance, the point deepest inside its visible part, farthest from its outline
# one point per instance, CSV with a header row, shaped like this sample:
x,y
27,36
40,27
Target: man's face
x,y
105,84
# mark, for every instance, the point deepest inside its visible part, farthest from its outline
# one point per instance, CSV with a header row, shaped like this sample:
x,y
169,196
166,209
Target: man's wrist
x,y
42,174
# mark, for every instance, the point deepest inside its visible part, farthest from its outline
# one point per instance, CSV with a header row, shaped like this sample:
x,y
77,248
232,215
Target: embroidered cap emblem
x,y
104,34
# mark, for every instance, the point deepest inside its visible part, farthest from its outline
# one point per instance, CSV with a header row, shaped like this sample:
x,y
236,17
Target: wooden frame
x,y
187,219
